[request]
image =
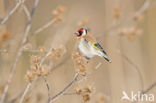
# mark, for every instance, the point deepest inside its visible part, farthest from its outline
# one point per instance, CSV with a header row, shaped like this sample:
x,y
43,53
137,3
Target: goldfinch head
x,y
81,32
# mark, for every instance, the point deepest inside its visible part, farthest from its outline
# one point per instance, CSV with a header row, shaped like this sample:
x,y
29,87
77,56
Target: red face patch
x,y
80,32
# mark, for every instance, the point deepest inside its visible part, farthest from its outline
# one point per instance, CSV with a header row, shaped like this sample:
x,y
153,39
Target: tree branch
x,y
48,88
25,92
143,9
39,65
12,11
19,53
64,90
149,88
137,70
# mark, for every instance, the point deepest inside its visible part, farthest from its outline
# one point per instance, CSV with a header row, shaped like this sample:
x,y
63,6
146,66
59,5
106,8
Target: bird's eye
x,y
80,32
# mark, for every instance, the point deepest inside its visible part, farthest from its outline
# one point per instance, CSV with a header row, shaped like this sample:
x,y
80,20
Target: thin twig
x,y
49,23
15,99
98,65
70,93
45,57
39,65
143,9
11,51
26,11
54,68
64,90
149,88
146,91
19,53
48,87
137,69
12,11
25,92
83,79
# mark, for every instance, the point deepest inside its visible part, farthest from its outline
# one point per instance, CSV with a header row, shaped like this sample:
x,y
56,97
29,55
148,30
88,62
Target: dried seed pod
x,y
78,90
44,70
133,33
35,59
58,19
117,15
42,50
117,12
86,97
139,18
55,13
57,53
34,67
5,36
30,76
75,55
123,32
61,9
88,89
81,68
117,9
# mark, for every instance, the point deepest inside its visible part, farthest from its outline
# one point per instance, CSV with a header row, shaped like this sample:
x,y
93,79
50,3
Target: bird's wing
x,y
90,38
94,43
98,47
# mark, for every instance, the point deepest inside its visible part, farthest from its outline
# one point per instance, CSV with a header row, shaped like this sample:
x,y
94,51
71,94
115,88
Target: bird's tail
x,y
107,59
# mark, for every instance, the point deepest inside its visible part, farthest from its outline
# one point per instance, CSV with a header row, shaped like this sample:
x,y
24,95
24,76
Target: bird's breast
x,y
86,49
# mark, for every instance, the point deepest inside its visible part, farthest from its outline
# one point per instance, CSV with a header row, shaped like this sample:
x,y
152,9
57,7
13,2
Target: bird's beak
x,y
76,33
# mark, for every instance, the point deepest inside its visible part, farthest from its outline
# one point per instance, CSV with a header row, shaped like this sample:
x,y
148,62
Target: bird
x,y
88,46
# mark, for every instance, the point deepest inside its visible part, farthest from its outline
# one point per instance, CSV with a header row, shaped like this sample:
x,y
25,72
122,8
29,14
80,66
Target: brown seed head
x,y
35,59
42,50
55,13
5,36
30,76
86,97
88,89
78,90
138,18
117,12
61,9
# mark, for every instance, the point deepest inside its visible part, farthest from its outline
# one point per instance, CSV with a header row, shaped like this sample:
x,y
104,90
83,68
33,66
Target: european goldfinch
x,y
88,45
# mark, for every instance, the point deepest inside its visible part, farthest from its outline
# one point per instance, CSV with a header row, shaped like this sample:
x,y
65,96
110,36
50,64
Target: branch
x,y
26,11
149,88
44,26
137,69
143,9
39,65
25,92
48,87
11,51
19,53
12,11
54,68
15,99
62,92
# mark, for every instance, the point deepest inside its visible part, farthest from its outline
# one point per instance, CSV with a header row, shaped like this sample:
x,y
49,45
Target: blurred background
x,y
124,28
